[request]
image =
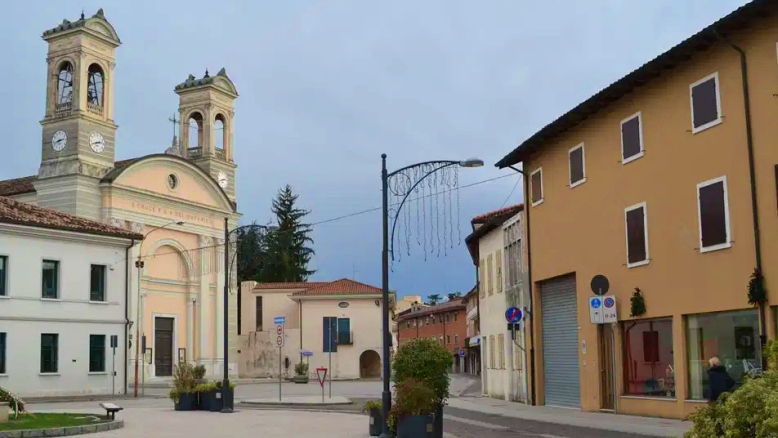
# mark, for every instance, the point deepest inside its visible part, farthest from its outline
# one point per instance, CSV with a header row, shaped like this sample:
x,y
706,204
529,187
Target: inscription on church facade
x,y
172,213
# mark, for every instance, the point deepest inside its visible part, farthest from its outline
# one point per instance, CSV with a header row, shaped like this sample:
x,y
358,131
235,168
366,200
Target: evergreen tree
x,y
289,247
434,299
252,254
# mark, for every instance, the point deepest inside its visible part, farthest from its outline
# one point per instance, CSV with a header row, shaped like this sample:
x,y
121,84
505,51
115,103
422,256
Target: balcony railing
x,y
194,152
95,108
346,338
220,153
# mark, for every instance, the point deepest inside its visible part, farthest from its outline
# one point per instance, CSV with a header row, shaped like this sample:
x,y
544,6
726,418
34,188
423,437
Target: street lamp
x,y
431,167
227,266
139,264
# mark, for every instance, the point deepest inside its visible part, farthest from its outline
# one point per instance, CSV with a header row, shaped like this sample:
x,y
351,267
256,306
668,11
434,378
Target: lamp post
x,y
432,167
227,266
139,264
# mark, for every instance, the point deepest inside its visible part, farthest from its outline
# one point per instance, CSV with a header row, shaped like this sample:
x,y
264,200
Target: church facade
x,y
182,200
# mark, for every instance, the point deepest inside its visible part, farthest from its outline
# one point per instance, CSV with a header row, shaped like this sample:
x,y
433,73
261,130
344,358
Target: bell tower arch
x,y
207,109
78,129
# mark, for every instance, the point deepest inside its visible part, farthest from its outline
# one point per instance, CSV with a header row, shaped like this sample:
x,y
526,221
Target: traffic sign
x,y
461,353
513,314
595,310
280,335
600,285
279,320
609,314
321,374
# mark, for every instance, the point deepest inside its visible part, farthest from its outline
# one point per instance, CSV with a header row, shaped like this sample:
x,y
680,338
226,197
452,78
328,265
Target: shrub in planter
x,y
199,373
218,402
206,395
411,412
374,408
749,412
11,400
300,373
428,361
183,394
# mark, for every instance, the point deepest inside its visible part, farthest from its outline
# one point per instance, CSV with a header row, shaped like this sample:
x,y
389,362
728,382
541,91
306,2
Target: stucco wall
x,y
259,353
24,316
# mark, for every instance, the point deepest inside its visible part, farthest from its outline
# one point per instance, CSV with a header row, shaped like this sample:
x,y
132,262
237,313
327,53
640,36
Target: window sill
x,y
49,374
707,126
3,375
649,397
51,299
632,158
701,401
637,264
4,297
578,183
535,204
715,247
98,302
98,373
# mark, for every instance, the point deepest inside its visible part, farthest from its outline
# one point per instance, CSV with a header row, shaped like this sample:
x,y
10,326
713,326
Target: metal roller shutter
x,y
560,342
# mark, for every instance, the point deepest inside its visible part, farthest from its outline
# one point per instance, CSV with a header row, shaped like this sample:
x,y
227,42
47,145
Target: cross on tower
x,y
174,121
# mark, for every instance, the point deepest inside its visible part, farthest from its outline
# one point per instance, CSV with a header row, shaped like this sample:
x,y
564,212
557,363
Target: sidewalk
x,y
168,383
659,427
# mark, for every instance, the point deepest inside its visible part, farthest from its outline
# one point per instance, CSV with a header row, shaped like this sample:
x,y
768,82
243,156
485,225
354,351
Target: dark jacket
x,y
719,382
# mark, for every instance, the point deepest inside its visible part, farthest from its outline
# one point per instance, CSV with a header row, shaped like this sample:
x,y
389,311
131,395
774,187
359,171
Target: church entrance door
x,y
163,346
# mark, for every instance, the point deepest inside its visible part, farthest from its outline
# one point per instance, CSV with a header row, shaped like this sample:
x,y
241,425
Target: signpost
x,y
329,355
143,366
321,374
114,344
514,316
279,322
602,309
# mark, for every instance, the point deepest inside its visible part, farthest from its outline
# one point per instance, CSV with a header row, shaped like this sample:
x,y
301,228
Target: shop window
x,y
648,358
733,337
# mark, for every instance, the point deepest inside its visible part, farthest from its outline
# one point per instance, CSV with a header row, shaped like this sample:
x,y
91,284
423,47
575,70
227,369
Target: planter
x,y
376,422
416,426
300,379
187,401
438,422
206,400
217,403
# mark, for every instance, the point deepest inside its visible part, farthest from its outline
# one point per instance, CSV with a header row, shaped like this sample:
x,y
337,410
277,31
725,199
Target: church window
x,y
95,88
196,131
65,83
221,133
172,181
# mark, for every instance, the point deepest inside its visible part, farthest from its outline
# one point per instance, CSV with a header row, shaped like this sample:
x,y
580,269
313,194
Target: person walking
x,y
719,380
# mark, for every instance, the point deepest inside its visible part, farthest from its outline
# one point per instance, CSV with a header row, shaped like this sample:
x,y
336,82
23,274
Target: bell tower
x,y
206,110
79,132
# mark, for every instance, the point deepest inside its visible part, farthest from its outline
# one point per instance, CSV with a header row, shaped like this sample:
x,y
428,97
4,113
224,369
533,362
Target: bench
x,y
111,410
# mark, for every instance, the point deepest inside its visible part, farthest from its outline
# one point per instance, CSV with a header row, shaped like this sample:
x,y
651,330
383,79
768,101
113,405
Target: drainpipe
x,y
127,280
752,176
301,329
529,288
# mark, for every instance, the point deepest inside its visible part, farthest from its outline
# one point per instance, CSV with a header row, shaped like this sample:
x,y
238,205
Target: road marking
x,y
474,422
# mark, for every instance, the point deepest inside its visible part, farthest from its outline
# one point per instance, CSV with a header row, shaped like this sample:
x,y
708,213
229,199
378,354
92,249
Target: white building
x,y
496,246
63,295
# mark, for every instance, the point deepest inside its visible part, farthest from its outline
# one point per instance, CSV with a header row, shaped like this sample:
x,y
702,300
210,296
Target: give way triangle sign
x,y
321,374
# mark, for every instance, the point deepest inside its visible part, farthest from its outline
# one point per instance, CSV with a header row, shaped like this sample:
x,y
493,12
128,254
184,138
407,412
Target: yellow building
x,y
665,184
182,196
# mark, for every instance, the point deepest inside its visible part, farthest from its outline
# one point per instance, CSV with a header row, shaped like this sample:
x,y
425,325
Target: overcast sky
x,y
326,86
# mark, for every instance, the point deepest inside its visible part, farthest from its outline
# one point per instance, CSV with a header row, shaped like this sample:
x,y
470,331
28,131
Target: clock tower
x,y
206,110
79,132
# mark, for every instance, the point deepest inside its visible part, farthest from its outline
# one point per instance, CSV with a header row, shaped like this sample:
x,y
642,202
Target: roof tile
x,y
510,210
344,286
288,285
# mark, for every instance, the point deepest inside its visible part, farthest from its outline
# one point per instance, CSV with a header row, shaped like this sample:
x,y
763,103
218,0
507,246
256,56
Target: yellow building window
x,y
489,278
501,350
481,283
498,271
491,352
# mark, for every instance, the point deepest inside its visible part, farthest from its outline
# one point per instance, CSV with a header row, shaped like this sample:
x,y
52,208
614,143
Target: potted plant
x,y
374,409
300,373
183,393
413,409
206,395
199,374
428,361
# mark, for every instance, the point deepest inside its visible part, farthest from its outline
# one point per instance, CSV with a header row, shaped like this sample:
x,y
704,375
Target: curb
x,y
64,431
282,404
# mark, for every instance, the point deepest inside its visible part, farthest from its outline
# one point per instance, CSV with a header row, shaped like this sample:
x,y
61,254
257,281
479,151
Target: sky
x,y
326,86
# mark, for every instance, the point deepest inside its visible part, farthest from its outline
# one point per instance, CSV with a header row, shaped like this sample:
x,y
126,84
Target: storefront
x,y
473,356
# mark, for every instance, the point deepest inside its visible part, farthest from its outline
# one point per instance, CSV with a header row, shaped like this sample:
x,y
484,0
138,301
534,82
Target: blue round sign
x,y
609,302
595,303
461,353
513,315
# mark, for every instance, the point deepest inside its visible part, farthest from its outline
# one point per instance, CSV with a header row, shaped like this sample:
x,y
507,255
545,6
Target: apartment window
x,y
489,278
2,353
3,276
536,186
50,279
637,235
498,271
408,325
491,352
97,283
577,165
433,319
512,252
448,339
713,211
631,138
448,318
455,317
258,313
648,353
456,339
96,353
49,353
344,331
427,322
441,339
706,103
501,350
329,334
481,278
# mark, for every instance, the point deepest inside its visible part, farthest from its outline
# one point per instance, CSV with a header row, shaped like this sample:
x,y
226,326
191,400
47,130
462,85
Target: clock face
x,y
59,141
222,179
97,142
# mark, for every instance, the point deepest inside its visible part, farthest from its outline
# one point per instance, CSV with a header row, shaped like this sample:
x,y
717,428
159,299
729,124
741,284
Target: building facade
x,y
335,325
183,196
63,303
664,183
472,363
445,322
495,246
